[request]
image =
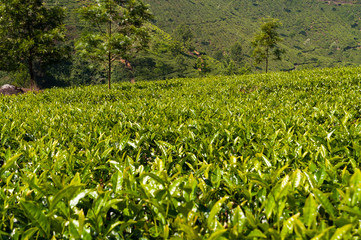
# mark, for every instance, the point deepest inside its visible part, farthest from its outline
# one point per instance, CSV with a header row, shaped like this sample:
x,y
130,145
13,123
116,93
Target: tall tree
x,y
119,31
30,33
266,41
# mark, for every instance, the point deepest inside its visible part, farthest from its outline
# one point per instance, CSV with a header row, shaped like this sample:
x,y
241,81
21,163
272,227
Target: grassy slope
x,y
315,33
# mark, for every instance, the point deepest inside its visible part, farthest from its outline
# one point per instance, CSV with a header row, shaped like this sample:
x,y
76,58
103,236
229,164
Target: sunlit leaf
x,y
9,162
310,211
256,234
217,234
341,232
67,192
288,226
212,220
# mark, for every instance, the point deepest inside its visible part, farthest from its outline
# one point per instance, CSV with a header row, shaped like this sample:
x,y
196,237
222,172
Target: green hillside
x,y
316,33
262,156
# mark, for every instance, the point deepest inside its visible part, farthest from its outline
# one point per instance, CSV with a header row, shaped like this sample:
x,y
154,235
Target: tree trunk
x,y
31,72
110,50
267,60
109,69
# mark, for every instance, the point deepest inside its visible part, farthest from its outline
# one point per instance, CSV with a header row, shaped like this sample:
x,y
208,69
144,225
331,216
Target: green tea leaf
x,y
166,232
311,180
351,210
297,178
310,211
326,204
74,228
67,192
212,221
4,233
322,234
256,233
81,220
270,205
341,232
106,152
239,219
288,226
276,175
9,163
37,217
75,199
190,232
154,177
28,234
123,225
217,234
299,228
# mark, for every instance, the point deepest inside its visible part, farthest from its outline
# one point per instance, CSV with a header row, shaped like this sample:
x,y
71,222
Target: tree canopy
x,y
120,31
30,33
266,41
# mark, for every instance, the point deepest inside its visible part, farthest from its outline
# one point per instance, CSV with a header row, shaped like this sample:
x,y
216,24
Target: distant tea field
x,y
264,156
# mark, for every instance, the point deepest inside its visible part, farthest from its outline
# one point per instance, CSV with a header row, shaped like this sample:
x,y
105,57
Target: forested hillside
x,y
316,33
164,58
192,38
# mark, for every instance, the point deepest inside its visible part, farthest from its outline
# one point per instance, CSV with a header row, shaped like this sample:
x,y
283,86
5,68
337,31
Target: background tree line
x,y
117,43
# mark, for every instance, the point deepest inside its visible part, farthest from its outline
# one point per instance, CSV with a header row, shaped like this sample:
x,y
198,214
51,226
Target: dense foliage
x,y
260,156
30,34
89,31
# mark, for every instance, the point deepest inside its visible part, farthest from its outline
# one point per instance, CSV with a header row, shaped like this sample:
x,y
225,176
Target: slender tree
x,y
265,42
119,31
30,33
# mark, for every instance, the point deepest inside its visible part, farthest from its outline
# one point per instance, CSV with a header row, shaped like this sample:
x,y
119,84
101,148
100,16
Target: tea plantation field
x,y
272,156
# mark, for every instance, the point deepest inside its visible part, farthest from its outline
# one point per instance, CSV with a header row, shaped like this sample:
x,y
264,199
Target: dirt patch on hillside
x,y
336,2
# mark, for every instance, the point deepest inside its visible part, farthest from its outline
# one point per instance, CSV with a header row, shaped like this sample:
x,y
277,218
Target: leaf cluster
x,y
119,29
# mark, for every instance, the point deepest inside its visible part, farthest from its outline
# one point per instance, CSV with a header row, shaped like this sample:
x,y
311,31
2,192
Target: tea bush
x,y
273,156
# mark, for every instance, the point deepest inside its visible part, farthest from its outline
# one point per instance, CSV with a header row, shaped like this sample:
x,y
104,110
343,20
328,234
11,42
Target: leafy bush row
x,y
260,156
